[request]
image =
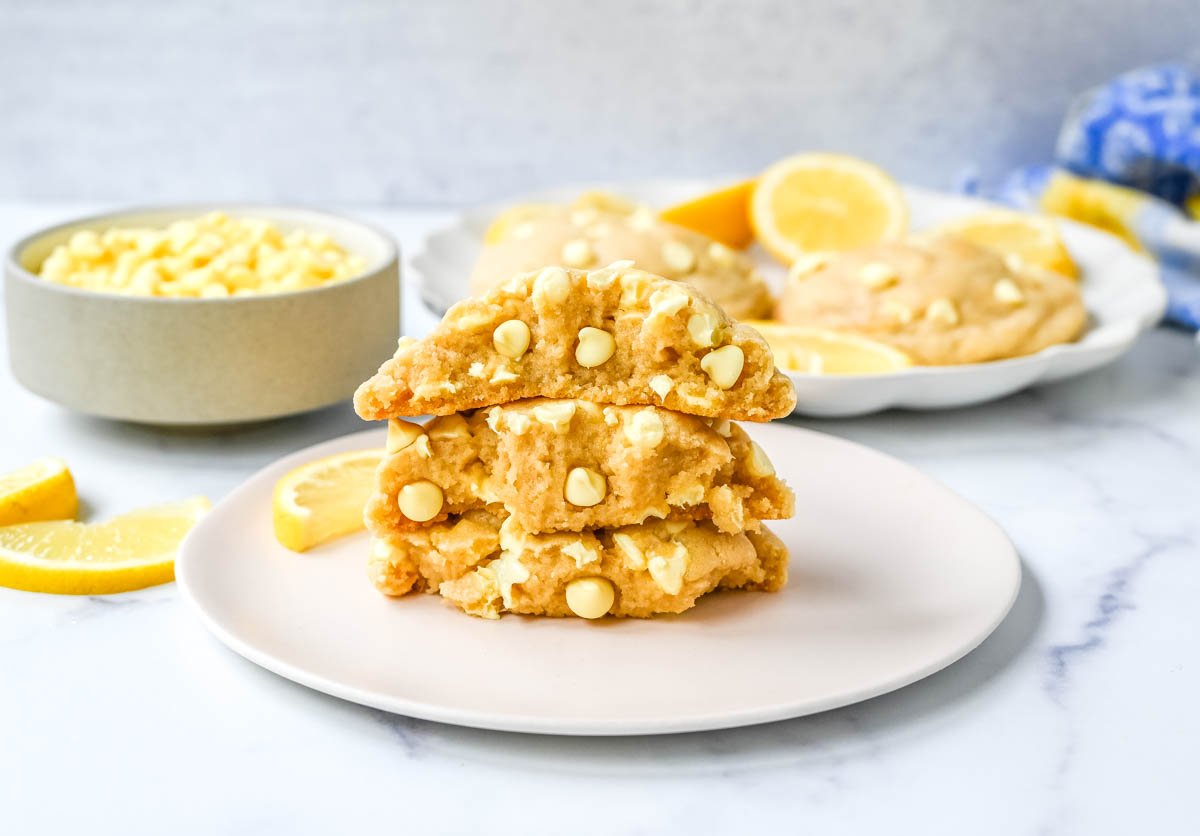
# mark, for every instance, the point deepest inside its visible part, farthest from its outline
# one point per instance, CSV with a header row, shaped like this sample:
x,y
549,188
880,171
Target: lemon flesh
x,y
1033,239
825,202
43,490
819,351
70,558
324,499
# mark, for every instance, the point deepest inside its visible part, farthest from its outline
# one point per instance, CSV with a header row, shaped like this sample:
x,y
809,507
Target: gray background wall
x,y
367,101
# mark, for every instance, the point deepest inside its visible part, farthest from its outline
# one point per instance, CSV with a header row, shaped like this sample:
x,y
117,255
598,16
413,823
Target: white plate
x,y
1121,289
893,577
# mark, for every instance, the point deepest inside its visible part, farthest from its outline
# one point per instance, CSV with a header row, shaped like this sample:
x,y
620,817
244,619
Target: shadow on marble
x,y
820,738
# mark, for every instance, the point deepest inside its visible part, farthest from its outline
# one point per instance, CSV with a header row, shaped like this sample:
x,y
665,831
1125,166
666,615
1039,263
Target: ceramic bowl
x,y
201,361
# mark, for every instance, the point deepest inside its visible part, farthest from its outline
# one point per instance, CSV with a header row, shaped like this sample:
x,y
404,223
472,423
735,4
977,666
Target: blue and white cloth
x,y
1141,130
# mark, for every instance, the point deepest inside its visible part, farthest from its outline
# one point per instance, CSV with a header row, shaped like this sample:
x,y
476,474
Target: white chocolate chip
x,y
504,375
1014,262
688,496
585,487
611,418
555,414
634,558
578,252
668,301
703,326
401,434
757,463
644,429
509,572
942,310
553,285
470,320
447,427
878,275
595,347
581,553
511,338
642,219
420,501
421,445
590,597
720,254
476,370
1006,291
679,257
806,264
602,278
661,385
724,365
518,423
493,418
668,570
722,427
585,216
901,313
481,487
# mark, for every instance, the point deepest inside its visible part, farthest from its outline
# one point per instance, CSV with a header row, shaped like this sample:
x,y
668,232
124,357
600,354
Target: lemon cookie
x,y
568,465
941,300
591,234
487,566
615,335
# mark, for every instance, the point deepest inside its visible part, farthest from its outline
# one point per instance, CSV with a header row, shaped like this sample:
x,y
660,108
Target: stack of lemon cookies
x,y
584,458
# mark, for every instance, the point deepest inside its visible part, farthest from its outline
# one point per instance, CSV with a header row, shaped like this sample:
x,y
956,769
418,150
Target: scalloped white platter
x,y
867,609
1121,290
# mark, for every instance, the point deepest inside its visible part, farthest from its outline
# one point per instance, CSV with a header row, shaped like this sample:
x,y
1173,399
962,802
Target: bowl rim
x,y
14,268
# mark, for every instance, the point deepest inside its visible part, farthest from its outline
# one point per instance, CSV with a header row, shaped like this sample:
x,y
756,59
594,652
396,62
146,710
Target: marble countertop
x,y
120,714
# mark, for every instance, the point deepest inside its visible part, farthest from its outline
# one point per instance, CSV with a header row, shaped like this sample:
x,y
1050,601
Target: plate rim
x,y
186,562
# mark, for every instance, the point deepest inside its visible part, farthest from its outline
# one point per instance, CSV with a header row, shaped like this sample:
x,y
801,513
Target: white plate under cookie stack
x,y
584,459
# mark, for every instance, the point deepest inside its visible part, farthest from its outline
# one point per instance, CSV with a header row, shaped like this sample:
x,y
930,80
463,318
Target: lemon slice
x,y
818,351
723,215
814,202
129,552
1034,239
324,499
502,225
43,490
1096,203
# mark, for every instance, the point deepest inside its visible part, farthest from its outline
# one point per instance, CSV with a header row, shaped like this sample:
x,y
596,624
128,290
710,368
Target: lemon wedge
x,y
43,490
819,351
1034,239
723,215
324,499
70,558
815,202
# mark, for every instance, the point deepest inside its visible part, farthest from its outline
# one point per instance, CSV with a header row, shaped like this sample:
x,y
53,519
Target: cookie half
x,y
567,465
486,566
615,335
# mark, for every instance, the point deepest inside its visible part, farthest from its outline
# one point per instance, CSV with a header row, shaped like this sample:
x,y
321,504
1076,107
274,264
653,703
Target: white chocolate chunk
x,y
724,365
555,414
644,429
1006,291
668,301
401,434
757,464
702,327
878,275
661,385
668,570
553,285
942,310
634,557
581,553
